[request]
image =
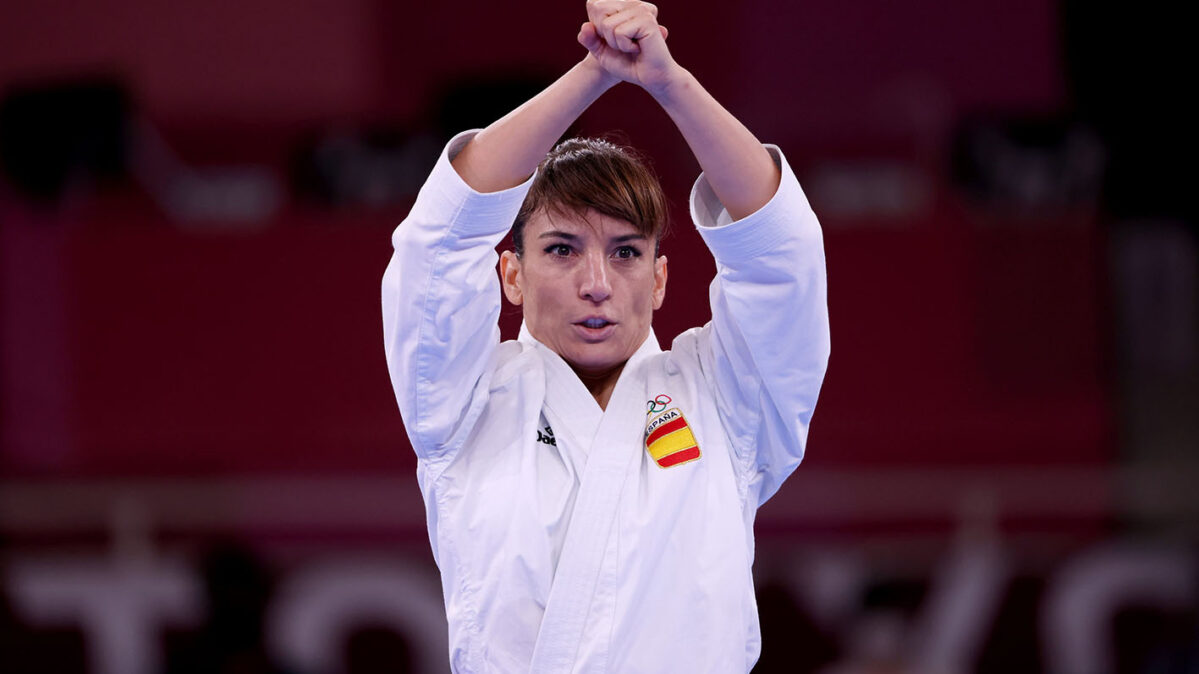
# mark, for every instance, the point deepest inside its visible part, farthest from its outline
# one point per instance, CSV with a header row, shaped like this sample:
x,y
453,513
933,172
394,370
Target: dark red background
x,y
961,337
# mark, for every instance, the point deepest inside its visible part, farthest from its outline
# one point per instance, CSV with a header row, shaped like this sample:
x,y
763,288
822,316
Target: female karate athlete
x,y
590,498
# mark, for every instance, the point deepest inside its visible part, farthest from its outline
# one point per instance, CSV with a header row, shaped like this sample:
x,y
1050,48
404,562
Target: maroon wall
x,y
959,337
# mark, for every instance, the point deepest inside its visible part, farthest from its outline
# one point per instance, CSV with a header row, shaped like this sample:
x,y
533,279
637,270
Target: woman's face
x,y
588,285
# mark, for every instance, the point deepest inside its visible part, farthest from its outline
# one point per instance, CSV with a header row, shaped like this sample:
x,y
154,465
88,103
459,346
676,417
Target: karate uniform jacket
x,y
575,539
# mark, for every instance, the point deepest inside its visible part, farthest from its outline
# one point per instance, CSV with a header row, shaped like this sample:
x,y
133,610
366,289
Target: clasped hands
x,y
625,40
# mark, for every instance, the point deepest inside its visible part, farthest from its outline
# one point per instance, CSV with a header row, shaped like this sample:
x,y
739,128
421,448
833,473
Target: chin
x,y
594,361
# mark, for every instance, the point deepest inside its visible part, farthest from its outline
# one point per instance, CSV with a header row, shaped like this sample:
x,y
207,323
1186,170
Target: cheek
x,y
543,292
641,292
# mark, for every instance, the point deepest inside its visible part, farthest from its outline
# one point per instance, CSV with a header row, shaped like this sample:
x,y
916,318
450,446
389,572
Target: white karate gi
x,y
563,545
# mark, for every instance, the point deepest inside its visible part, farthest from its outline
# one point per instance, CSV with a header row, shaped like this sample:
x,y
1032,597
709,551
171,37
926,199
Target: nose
x,y
594,284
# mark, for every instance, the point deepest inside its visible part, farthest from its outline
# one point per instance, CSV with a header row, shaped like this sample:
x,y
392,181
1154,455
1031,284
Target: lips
x,y
595,328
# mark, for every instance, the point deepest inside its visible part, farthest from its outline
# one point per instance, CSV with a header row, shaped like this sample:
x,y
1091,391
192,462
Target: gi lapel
x,y
611,450
569,407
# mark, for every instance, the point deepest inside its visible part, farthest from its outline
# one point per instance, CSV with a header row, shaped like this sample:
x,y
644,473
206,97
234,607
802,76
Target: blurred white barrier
x,y
318,606
123,600
1085,594
120,604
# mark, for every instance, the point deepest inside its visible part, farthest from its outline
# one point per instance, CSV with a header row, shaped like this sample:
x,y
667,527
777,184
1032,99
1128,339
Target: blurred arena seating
x,y
202,468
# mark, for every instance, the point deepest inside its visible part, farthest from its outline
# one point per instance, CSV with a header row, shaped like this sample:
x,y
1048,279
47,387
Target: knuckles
x,y
619,23
608,8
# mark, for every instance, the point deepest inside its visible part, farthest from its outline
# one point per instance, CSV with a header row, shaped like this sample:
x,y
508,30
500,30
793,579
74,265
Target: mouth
x,y
595,327
595,322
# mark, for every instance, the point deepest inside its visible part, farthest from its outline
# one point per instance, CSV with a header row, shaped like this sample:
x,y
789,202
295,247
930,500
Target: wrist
x,y
673,87
598,78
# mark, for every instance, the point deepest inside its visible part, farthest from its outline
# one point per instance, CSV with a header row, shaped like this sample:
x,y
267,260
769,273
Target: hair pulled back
x,y
582,174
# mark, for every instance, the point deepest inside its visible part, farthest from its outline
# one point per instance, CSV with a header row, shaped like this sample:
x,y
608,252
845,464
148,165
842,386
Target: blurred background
x,y
202,468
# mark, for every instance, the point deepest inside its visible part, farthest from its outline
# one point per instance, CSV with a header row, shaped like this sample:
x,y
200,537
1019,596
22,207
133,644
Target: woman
x,y
590,498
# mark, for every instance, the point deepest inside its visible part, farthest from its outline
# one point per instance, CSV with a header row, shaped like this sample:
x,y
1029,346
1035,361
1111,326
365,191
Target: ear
x,y
510,277
659,281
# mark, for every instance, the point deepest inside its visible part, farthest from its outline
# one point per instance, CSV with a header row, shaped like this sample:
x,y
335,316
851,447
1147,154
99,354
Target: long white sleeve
x,y
441,302
767,347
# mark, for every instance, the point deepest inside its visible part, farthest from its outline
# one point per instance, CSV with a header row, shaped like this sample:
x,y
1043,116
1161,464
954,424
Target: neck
x,y
600,384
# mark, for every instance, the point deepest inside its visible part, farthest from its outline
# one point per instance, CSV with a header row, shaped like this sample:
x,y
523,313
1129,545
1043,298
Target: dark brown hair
x,y
593,173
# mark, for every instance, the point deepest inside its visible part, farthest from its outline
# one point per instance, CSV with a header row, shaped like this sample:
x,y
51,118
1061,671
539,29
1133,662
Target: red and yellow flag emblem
x,y
669,440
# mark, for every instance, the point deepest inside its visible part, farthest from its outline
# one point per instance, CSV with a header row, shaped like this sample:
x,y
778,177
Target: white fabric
x,y
585,555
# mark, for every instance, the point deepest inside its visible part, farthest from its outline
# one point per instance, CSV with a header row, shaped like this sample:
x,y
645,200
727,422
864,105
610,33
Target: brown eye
x,y
627,253
558,249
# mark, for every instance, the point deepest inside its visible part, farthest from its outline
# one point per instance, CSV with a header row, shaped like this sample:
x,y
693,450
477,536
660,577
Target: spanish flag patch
x,y
669,440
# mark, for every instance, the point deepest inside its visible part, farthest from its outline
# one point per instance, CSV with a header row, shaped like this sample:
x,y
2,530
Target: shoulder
x,y
686,346
512,359
684,357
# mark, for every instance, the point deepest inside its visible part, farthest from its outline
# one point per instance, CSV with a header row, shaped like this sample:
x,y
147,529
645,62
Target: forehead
x,y
587,224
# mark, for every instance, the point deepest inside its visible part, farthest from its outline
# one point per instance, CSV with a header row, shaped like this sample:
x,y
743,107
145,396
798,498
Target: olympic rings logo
x,y
658,404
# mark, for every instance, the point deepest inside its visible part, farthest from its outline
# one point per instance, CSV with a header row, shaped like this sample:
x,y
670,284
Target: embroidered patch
x,y
669,439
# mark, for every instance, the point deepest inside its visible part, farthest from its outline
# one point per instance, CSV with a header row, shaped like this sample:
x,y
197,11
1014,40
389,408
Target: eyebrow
x,y
559,234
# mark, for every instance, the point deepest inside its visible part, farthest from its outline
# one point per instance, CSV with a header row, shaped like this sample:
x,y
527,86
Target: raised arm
x,y
441,296
624,38
765,351
507,152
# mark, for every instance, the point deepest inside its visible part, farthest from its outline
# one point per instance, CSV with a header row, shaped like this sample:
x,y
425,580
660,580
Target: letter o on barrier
x,y
1088,591
317,606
